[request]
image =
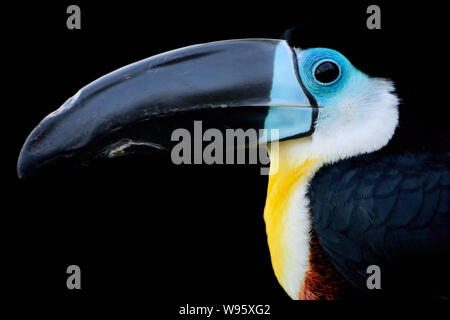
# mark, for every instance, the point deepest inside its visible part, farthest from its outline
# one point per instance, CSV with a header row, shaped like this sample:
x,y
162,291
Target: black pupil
x,y
327,72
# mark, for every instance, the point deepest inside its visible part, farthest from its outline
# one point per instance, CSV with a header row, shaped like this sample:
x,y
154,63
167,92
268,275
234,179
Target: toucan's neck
x,y
286,213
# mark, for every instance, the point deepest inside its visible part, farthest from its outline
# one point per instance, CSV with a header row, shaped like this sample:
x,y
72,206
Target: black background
x,y
140,226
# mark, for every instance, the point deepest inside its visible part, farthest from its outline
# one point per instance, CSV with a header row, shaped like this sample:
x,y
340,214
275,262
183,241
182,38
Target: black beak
x,y
233,83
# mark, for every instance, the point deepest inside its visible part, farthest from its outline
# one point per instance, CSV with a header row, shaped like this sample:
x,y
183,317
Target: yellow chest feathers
x,y
286,215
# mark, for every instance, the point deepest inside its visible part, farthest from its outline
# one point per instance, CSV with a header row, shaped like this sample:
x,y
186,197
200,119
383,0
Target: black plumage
x,y
387,209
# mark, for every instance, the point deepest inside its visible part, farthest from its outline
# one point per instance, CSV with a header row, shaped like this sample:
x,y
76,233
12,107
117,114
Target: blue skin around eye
x,y
287,97
328,95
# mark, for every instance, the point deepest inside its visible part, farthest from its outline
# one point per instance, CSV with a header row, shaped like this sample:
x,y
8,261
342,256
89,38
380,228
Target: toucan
x,y
341,206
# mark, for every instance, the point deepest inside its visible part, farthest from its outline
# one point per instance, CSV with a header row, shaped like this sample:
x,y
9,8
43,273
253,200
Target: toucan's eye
x,y
327,72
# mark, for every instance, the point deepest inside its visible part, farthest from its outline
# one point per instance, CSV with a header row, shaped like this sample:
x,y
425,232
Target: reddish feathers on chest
x,y
322,281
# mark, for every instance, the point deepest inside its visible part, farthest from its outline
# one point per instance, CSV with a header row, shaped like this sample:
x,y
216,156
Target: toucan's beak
x,y
238,83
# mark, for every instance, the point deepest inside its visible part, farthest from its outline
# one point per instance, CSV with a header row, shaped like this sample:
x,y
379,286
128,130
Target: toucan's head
x,y
357,113
254,83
